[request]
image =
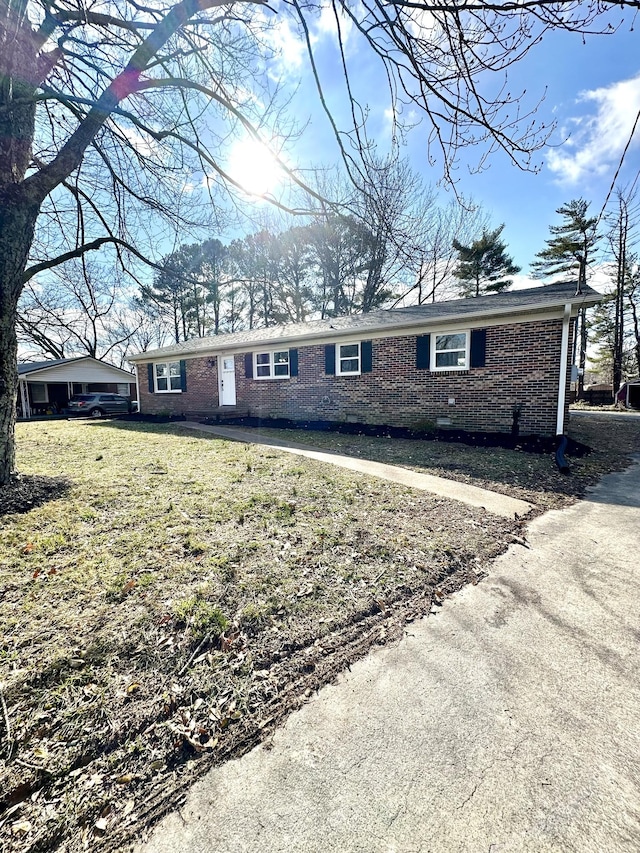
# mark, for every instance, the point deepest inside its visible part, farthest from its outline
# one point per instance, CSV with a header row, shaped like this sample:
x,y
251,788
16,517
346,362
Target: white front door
x,y
227,380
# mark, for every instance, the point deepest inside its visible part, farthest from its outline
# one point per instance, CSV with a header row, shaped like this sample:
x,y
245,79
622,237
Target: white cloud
x,y
324,28
326,25
598,277
143,144
597,141
288,45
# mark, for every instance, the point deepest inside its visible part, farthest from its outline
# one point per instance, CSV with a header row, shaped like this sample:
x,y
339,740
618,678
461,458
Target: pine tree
x,y
569,247
568,251
483,265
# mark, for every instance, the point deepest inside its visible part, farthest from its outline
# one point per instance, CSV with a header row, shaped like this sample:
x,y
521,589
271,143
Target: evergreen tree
x,y
483,265
171,294
568,251
569,247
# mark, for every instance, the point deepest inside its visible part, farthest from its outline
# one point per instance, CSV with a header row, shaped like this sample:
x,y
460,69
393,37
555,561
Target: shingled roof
x,y
456,310
33,366
26,368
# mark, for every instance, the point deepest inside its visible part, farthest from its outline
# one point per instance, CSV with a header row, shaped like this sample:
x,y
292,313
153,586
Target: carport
x,y
46,386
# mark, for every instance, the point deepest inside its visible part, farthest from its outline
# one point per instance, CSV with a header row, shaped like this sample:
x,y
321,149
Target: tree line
x,y
338,264
582,246
110,118
393,243
327,268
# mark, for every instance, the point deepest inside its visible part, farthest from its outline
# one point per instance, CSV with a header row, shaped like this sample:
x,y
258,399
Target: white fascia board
x,y
478,319
60,368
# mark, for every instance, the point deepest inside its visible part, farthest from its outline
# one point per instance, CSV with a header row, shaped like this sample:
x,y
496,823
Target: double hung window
x,y
272,365
450,351
167,376
348,361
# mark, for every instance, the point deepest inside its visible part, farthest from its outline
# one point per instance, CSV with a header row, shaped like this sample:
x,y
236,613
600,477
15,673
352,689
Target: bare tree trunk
x,y
636,333
618,334
17,222
582,363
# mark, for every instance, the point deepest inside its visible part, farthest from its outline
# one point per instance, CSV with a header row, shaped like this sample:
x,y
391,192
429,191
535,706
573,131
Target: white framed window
x,y
167,376
39,392
450,351
348,359
272,365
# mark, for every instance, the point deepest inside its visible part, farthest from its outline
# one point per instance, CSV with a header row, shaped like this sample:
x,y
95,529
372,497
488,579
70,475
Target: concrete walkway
x,y
471,495
507,722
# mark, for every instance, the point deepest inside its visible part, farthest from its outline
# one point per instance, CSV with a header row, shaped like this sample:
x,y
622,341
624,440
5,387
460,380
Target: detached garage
x,y
629,394
45,387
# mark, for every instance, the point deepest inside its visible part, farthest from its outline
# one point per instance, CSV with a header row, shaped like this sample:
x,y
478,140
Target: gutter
x,y
564,358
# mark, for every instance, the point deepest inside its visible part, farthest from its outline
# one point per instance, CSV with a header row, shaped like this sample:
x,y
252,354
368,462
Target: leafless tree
x,y
77,309
433,257
622,239
107,112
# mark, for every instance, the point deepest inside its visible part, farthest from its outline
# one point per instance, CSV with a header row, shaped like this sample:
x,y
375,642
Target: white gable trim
x,y
82,369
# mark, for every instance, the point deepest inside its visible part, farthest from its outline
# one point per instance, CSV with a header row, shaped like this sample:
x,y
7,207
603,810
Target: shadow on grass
x,y
487,458
537,444
25,492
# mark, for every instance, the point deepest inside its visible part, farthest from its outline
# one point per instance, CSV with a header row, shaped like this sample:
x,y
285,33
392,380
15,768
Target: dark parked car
x,y
97,405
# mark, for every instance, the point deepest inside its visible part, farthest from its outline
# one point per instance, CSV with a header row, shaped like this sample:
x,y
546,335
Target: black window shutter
x,y
366,355
183,375
478,347
150,375
423,352
330,359
248,365
293,362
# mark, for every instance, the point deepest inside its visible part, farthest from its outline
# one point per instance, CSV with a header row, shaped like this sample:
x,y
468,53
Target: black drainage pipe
x,y
561,462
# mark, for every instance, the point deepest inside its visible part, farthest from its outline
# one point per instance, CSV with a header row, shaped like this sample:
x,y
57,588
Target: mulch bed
x,y
24,492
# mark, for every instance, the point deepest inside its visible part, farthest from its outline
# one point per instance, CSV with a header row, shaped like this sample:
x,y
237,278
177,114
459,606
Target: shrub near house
x,y
466,363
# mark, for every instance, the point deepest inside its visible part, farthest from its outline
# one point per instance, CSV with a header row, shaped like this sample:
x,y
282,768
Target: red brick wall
x,y
521,368
201,394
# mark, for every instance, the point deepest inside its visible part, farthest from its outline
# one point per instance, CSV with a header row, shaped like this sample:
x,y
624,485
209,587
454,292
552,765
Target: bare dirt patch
x,y
184,594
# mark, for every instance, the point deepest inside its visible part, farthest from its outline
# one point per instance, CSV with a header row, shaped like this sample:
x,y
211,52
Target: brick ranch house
x,y
465,364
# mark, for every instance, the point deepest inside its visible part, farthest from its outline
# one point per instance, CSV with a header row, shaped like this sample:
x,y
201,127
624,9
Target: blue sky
x,y
591,88
593,92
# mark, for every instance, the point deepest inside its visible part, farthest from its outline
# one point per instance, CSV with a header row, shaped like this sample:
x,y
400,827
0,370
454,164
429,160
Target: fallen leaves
x,y
344,561
21,827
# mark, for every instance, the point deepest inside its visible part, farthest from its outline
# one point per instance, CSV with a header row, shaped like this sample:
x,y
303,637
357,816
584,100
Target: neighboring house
x,y
468,364
598,394
46,386
629,394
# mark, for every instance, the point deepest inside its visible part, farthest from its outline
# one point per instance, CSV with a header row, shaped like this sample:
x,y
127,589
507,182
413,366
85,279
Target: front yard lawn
x,y
169,602
531,477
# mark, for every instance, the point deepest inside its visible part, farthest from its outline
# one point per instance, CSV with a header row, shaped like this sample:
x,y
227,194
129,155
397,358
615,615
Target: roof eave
x,y
69,362
585,300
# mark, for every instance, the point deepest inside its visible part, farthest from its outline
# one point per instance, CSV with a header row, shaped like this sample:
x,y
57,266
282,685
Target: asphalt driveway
x,y
507,721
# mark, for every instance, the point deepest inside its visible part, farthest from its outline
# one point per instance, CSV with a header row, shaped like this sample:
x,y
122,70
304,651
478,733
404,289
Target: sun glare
x,y
253,166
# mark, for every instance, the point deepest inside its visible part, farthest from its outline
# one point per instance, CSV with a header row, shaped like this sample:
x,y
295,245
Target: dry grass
x,y
183,594
531,477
